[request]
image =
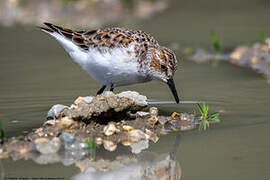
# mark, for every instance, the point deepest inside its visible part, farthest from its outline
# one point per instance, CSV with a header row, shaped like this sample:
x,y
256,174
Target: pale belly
x,y
115,68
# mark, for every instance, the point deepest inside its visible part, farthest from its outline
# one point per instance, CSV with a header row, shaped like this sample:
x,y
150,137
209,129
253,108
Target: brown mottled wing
x,y
110,37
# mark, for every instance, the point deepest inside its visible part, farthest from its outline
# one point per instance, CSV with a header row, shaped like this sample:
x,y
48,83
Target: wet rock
x,y
152,120
19,149
47,158
70,157
136,135
188,127
72,143
163,119
138,99
153,111
186,117
176,115
87,99
109,145
127,142
110,129
99,140
137,148
127,127
50,122
108,94
151,135
46,146
66,122
55,111
3,154
142,114
66,138
173,125
76,145
106,105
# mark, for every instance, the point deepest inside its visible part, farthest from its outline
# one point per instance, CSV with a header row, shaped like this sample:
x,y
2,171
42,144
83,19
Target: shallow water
x,y
36,73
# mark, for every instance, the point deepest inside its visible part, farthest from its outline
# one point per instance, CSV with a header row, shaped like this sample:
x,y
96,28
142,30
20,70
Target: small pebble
x,y
110,129
66,122
127,128
127,142
142,114
175,115
109,145
152,120
153,111
99,140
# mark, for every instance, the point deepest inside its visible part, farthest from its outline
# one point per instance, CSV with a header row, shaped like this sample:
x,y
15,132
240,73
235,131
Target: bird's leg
x,y
112,87
101,89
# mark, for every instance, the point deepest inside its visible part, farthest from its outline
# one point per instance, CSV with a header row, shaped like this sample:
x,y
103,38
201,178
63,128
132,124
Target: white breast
x,y
114,67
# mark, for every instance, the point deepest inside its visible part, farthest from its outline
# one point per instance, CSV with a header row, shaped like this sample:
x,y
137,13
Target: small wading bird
x,y
118,56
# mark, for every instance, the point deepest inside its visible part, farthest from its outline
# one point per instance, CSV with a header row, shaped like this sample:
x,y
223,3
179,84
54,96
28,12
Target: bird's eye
x,y
163,67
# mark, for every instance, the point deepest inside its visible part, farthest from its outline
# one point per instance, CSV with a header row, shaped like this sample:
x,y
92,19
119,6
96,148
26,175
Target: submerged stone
x,y
109,145
72,143
137,148
67,138
46,146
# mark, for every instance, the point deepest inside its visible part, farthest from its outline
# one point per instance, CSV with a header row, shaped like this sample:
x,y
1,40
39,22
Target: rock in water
x,y
107,105
138,99
46,146
55,110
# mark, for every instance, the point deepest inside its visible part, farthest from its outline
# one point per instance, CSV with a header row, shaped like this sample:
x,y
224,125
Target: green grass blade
x,y
200,109
262,36
215,41
214,115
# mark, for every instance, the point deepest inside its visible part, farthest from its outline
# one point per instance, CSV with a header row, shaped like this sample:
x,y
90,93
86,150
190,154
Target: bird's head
x,y
163,64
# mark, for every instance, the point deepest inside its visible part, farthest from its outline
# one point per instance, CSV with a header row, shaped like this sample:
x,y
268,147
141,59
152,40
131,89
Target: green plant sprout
x,y
92,147
206,118
262,36
91,142
215,42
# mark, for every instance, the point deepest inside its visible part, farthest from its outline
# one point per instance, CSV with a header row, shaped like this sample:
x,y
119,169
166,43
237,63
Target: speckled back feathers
x,y
108,37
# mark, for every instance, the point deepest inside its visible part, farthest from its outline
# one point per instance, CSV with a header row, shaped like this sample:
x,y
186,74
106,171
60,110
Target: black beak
x,y
170,83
